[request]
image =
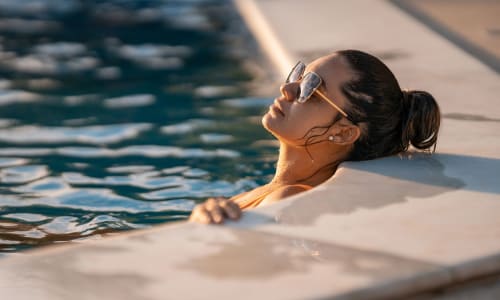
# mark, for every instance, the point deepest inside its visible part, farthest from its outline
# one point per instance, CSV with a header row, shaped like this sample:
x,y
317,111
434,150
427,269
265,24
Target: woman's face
x,y
290,121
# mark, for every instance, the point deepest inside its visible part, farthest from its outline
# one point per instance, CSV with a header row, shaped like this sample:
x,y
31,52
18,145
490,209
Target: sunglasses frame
x,y
314,88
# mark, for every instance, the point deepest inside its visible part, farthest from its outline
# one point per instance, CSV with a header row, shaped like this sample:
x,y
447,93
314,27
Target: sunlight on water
x,y
103,134
117,115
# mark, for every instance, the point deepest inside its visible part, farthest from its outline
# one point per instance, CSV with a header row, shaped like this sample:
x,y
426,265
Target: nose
x,y
290,90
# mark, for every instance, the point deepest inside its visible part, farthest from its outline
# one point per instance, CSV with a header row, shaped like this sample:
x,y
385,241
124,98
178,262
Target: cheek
x,y
303,118
300,119
298,122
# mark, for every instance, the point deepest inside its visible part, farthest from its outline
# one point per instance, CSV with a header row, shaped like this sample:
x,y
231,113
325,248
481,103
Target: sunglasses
x,y
309,85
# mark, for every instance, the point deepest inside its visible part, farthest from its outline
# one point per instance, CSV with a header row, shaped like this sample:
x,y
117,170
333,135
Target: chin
x,y
271,125
268,122
279,130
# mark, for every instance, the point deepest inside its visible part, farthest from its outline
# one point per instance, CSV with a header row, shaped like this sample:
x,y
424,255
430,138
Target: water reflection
x,y
102,134
130,101
22,174
188,126
19,96
121,114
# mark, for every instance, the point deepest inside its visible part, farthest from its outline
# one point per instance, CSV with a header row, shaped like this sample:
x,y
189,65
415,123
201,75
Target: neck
x,y
295,166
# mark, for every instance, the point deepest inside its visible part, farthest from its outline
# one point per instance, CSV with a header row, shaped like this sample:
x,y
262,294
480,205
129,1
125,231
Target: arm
x,y
215,210
235,197
283,192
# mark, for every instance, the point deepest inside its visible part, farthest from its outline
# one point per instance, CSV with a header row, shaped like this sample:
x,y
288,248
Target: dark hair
x,y
390,119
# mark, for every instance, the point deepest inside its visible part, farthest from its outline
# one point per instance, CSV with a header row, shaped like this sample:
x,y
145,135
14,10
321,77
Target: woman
x,y
343,106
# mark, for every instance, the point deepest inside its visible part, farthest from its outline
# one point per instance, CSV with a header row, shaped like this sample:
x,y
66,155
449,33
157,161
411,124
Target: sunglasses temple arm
x,y
341,111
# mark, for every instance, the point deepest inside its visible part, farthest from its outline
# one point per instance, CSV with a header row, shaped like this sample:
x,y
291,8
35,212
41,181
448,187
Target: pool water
x,y
117,115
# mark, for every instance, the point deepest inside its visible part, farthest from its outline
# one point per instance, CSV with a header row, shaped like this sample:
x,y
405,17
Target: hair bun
x,y
420,120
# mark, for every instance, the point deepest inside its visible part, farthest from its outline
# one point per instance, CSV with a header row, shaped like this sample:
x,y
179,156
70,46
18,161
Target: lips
x,y
276,106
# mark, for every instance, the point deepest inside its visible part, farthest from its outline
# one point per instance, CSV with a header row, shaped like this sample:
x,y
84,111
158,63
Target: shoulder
x,y
285,191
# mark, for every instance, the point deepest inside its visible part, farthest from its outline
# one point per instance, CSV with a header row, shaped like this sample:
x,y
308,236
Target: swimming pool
x,y
117,115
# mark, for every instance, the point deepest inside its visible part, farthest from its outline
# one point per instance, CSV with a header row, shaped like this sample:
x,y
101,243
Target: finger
x,y
231,209
236,208
194,213
210,202
228,210
216,212
201,215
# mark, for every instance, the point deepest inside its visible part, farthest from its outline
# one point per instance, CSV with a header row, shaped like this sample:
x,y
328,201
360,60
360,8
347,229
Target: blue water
x,y
117,115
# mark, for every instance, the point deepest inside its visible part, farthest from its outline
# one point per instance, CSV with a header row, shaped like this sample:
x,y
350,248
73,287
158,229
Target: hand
x,y
215,210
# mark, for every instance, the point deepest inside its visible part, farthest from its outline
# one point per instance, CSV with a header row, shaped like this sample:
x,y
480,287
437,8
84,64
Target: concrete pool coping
x,y
382,229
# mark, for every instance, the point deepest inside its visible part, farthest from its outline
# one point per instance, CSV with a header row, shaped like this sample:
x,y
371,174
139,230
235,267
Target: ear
x,y
346,134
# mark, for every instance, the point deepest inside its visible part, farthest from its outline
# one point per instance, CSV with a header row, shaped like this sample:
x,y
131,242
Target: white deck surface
x,y
379,229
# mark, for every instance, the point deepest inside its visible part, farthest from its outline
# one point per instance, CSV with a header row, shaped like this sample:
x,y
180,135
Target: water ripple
x,y
50,186
130,169
197,188
142,180
153,56
4,83
143,150
61,49
187,126
130,101
17,96
26,26
175,170
97,134
38,7
194,173
65,225
50,65
216,138
7,122
93,200
26,217
211,91
22,174
80,99
12,161
247,102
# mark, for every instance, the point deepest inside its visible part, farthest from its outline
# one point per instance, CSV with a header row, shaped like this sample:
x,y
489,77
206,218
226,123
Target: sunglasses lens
x,y
296,72
309,84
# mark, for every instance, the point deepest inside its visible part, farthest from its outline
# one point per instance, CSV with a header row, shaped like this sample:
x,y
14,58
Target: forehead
x,y
333,69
